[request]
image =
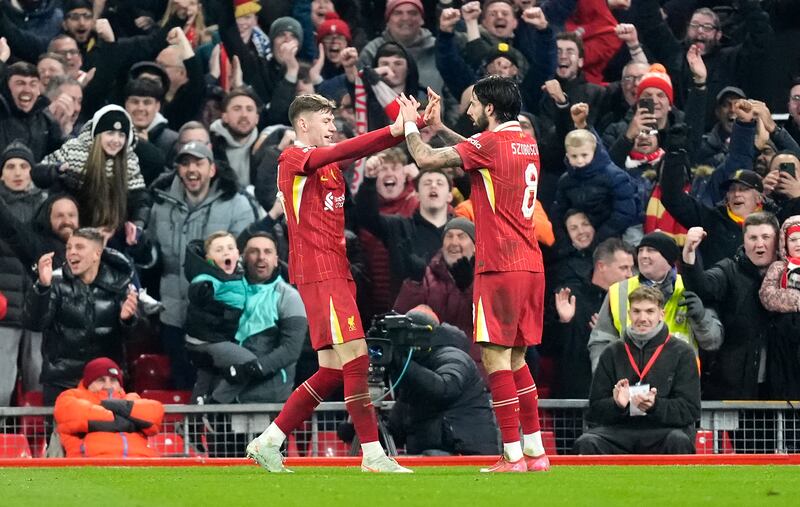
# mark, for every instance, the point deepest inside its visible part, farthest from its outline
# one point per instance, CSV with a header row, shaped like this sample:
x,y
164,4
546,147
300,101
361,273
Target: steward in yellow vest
x,y
684,314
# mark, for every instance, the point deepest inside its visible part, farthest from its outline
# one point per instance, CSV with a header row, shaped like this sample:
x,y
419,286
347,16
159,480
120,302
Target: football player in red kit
x,y
508,293
312,189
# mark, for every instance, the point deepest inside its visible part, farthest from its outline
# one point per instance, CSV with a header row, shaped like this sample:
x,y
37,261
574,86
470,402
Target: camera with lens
x,y
394,333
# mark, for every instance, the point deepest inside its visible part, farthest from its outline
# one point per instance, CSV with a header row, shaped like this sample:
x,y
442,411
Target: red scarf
x,y
647,157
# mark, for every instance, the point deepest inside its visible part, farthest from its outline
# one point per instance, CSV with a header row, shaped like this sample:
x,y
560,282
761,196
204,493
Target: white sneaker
x,y
268,456
383,463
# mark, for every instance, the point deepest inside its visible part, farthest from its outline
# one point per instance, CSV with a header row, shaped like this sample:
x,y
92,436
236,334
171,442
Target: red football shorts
x,y
508,307
332,312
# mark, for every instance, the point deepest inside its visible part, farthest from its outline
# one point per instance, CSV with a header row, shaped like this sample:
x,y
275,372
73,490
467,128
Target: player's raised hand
x,y
433,111
408,107
579,113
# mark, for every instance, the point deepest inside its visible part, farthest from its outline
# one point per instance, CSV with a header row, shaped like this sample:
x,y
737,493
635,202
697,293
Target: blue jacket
x,y
601,190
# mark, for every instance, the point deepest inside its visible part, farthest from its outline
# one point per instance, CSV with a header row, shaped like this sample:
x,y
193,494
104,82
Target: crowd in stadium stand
x,y
668,133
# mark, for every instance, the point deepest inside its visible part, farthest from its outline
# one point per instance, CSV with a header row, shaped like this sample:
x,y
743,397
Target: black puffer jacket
x,y
207,318
443,402
732,286
14,275
80,322
36,129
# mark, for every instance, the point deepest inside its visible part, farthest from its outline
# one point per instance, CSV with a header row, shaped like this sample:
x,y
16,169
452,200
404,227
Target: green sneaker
x,y
268,456
383,463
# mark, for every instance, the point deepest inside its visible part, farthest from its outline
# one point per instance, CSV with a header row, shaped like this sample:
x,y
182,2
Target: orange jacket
x,y
88,429
543,229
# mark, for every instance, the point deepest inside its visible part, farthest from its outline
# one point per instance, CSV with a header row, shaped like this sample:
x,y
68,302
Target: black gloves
x,y
694,306
245,372
463,271
677,138
119,407
414,266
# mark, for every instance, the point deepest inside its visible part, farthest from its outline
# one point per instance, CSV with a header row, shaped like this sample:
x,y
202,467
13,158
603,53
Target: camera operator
x,y
443,404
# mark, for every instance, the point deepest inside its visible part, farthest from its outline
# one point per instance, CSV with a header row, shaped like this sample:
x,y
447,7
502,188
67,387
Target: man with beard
x,y
735,65
504,169
235,133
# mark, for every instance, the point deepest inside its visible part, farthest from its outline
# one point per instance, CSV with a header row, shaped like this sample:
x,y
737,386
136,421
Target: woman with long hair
x,y
100,168
195,26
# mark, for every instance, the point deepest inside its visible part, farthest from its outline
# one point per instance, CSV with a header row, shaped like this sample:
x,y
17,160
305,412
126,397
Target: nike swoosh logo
x,y
323,178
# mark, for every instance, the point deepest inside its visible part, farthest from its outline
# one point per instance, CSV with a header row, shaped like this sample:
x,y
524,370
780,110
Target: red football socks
x,y
306,397
357,399
505,404
528,400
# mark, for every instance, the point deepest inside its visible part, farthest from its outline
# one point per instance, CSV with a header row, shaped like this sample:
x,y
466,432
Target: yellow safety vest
x,y
674,315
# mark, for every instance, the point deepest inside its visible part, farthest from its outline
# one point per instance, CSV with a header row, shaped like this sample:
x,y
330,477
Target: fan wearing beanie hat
x,y
663,244
107,169
656,86
283,26
334,35
245,7
97,369
391,5
17,161
98,419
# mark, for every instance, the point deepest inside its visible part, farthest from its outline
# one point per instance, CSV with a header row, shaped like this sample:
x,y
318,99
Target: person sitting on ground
x,y
98,419
645,393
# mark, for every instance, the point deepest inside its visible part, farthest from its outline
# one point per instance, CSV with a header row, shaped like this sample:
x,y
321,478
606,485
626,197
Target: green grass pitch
x,y
430,486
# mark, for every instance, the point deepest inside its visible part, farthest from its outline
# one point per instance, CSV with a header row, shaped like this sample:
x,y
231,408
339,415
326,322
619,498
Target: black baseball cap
x,y
730,90
745,177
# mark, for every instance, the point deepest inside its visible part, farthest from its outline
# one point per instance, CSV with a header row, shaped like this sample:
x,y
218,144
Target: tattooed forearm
x,y
450,137
430,158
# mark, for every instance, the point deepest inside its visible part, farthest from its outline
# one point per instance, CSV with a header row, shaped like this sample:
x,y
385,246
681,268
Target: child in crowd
x,y
224,311
593,184
217,296
780,290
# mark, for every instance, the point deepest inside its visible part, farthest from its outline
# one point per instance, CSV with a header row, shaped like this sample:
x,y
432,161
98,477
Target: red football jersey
x,y
504,173
312,188
314,205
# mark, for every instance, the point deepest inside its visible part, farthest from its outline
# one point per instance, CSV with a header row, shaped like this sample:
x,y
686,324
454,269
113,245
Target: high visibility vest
x,y
674,315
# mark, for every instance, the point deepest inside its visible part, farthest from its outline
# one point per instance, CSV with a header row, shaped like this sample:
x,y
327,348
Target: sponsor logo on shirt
x,y
332,202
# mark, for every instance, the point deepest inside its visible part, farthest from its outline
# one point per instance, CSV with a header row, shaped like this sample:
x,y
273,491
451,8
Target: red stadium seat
x,y
329,445
14,446
168,398
151,372
704,443
169,445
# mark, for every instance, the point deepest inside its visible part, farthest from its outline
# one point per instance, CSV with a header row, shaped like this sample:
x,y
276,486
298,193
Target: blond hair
x,y
578,138
309,103
646,293
215,236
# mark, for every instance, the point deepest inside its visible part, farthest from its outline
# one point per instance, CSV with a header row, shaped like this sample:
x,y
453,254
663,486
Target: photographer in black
x,y
443,404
